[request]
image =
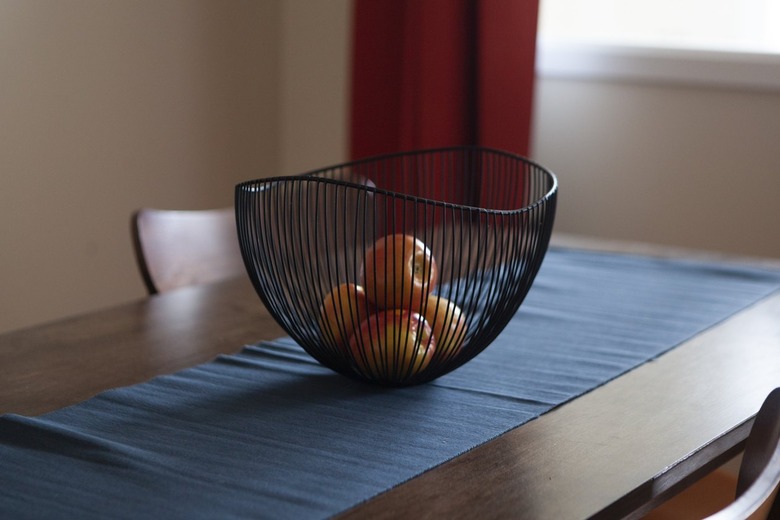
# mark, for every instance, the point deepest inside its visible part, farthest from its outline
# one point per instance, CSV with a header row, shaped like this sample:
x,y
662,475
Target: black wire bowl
x,y
400,268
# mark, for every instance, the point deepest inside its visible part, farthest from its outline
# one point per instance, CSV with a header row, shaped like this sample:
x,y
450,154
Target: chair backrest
x,y
759,473
179,248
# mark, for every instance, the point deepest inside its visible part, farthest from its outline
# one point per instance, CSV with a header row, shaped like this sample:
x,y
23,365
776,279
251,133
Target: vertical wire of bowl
x,y
485,216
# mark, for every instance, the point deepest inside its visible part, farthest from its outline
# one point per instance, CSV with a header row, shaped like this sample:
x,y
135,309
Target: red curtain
x,y
432,73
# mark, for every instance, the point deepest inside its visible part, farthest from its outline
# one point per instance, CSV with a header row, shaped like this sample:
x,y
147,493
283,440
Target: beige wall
x,y
315,86
110,105
677,165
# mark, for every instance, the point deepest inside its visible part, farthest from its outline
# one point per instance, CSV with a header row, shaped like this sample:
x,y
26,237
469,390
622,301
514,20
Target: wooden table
x,y
614,452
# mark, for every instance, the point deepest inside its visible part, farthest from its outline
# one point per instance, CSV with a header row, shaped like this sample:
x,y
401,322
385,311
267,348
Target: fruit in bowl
x,y
448,325
398,272
392,346
391,325
341,312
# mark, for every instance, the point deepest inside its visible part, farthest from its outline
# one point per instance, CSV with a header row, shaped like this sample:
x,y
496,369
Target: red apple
x,y
391,346
448,325
341,312
398,272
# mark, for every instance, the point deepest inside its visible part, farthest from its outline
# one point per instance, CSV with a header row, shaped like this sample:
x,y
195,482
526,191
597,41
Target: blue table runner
x,y
269,433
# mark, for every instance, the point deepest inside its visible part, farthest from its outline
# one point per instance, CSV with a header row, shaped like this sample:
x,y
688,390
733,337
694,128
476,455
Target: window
x,y
729,42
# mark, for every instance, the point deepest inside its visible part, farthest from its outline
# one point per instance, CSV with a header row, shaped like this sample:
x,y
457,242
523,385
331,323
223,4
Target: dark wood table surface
x,y
615,452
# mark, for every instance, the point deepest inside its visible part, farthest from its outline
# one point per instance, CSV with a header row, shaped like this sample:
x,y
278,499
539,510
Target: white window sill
x,y
744,70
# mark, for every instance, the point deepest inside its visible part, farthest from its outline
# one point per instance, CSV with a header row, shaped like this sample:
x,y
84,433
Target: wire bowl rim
x,y
315,175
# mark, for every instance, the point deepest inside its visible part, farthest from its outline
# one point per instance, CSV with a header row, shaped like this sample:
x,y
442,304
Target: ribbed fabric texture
x,y
268,433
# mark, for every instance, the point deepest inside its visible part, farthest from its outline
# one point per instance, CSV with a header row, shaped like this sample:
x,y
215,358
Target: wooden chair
x,y
756,486
179,248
